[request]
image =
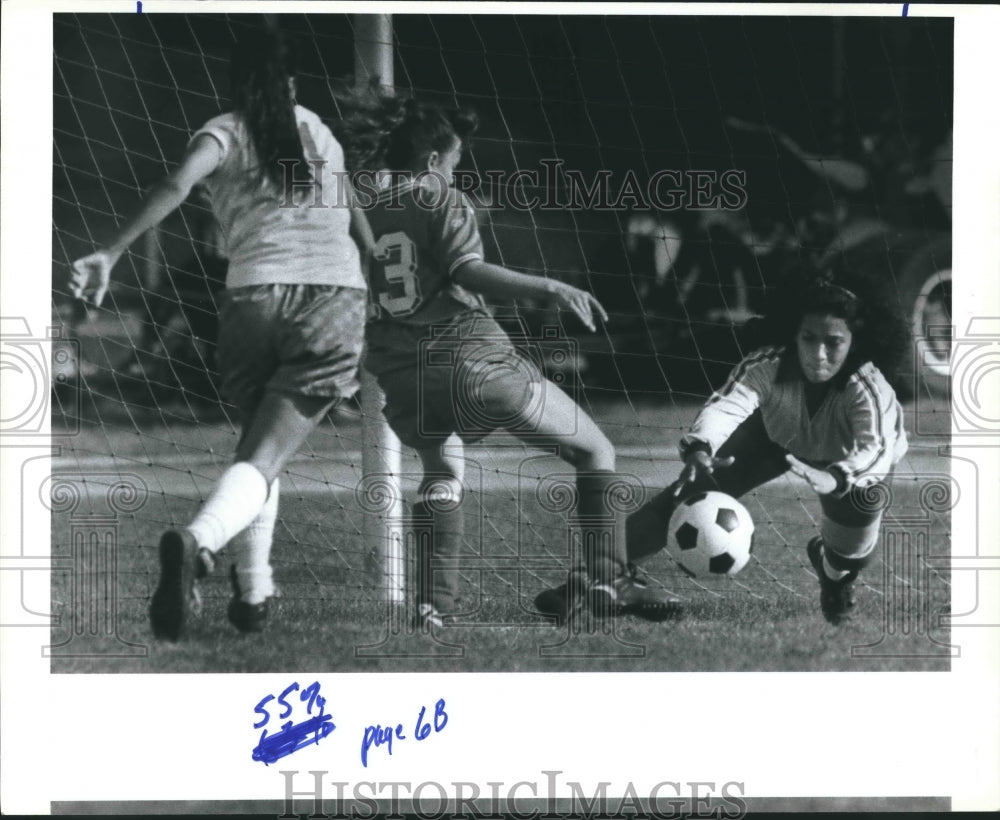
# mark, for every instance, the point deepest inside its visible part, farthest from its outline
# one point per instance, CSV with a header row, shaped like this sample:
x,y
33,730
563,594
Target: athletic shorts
x,y
465,377
303,340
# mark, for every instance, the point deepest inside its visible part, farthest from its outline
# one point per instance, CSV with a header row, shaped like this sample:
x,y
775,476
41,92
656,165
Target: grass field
x,y
329,619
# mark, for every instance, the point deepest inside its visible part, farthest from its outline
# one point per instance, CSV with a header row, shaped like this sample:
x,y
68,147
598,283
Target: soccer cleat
x,y
836,598
634,597
602,601
556,601
245,617
628,595
427,617
176,598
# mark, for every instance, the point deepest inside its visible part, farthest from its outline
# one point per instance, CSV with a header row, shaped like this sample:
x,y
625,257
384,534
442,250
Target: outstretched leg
x,y
612,588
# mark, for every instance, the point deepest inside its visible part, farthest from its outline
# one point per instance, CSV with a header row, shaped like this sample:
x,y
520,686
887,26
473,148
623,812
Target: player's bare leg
x,y
439,523
613,587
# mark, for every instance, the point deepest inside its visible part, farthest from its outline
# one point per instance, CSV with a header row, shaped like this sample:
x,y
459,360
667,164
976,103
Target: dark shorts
x,y
465,377
304,340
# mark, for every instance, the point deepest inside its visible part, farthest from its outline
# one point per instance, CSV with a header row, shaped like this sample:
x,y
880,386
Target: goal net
x,y
673,166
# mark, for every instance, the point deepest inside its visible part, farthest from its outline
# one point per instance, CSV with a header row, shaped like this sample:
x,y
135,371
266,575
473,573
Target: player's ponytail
x,y
262,65
367,119
397,133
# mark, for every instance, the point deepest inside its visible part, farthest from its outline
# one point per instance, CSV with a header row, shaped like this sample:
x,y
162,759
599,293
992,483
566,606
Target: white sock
x,y
832,573
251,552
231,506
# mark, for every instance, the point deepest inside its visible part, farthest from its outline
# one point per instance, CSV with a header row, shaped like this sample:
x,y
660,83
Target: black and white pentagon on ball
x,y
710,534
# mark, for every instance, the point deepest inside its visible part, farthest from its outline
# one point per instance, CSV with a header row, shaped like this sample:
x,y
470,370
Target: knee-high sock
x,y
602,528
251,552
847,549
439,526
234,502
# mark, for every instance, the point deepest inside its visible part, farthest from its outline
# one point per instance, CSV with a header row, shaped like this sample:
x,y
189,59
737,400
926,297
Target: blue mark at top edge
x,y
906,8
138,7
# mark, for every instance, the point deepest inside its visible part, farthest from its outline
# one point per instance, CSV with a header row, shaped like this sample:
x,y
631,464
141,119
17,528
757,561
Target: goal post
x,y
381,489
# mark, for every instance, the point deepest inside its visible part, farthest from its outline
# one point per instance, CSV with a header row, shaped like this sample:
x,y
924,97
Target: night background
x,y
842,127
602,93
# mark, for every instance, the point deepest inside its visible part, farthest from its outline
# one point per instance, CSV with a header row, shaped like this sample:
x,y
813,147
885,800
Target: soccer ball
x,y
710,534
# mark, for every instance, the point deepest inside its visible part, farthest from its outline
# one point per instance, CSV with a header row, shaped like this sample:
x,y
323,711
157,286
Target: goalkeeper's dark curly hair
x,y
262,65
381,131
869,303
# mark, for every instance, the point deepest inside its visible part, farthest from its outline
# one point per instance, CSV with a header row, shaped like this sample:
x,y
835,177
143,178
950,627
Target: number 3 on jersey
x,y
396,284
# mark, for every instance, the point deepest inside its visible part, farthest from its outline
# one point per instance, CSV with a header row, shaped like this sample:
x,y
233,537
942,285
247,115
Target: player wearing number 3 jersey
x,y
426,232
291,324
450,373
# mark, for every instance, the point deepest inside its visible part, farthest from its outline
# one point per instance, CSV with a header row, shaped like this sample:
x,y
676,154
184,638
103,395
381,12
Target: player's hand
x,y
91,275
821,481
698,464
581,303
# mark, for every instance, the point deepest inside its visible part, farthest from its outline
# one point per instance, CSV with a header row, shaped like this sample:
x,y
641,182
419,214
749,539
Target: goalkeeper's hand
x,y
697,464
822,481
91,275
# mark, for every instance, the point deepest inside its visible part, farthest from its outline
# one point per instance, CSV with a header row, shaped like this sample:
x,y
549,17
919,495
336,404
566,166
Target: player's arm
x,y
727,408
361,232
91,273
498,281
360,229
874,421
733,403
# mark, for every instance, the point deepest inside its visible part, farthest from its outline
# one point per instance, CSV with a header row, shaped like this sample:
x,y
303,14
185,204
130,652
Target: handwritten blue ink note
x,y
379,735
314,723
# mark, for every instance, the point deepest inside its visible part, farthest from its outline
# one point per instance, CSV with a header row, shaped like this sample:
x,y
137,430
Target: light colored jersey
x,y
856,432
268,240
423,233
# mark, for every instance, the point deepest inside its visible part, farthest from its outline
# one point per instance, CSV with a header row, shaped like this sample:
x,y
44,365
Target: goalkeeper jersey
x,y
424,232
267,239
856,432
